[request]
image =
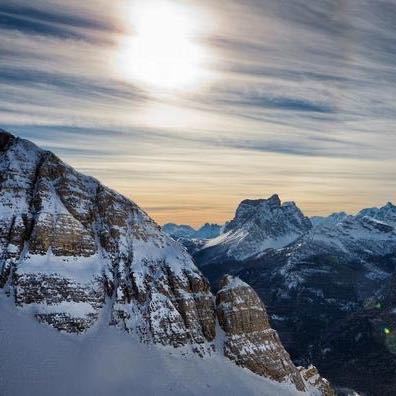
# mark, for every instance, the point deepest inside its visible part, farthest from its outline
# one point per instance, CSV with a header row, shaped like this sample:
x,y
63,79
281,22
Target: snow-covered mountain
x,y
356,236
177,231
76,255
332,219
385,214
325,271
105,361
67,243
259,225
209,231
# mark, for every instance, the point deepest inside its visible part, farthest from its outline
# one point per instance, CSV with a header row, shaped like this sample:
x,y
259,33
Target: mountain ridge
x,y
317,285
72,248
206,231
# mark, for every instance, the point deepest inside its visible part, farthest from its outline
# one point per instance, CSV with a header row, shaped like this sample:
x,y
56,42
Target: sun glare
x,y
162,52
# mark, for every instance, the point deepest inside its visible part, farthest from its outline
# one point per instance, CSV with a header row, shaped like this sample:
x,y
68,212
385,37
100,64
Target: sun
x,y
163,52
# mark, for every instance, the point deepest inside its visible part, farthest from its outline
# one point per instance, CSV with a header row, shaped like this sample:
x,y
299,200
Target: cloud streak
x,y
301,101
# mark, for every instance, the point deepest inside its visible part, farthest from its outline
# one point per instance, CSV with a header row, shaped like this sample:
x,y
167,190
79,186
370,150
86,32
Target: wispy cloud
x,y
301,101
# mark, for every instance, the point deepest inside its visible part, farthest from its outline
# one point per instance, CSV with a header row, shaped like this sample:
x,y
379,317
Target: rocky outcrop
x,y
249,339
312,377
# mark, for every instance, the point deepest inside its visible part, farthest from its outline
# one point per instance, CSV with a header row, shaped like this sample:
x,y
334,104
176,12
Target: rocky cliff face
x,y
70,246
312,377
68,243
249,339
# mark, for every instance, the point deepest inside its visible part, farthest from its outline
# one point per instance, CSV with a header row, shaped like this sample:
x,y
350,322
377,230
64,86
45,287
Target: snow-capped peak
x,y
330,220
385,214
207,231
261,224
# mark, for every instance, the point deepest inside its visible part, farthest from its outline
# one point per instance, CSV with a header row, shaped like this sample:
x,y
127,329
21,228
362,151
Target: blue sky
x,y
295,97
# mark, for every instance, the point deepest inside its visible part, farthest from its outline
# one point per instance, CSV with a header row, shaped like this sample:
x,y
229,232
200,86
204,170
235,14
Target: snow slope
x,y
39,360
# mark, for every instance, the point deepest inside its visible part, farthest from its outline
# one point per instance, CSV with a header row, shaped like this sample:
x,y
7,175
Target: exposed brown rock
x,y
312,377
67,242
249,339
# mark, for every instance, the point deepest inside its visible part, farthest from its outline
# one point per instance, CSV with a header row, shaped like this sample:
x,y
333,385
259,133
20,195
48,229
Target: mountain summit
x,y
259,225
182,231
386,213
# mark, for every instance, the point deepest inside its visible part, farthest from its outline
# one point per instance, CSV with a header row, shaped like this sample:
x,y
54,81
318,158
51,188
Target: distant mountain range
x,y
83,259
207,231
317,276
264,224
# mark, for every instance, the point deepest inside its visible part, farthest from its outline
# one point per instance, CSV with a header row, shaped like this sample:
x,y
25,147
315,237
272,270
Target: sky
x,y
189,107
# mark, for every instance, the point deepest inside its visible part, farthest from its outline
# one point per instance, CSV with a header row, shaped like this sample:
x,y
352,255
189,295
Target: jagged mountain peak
x,y
266,209
179,230
389,206
330,220
183,231
372,232
272,201
385,214
249,207
258,225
